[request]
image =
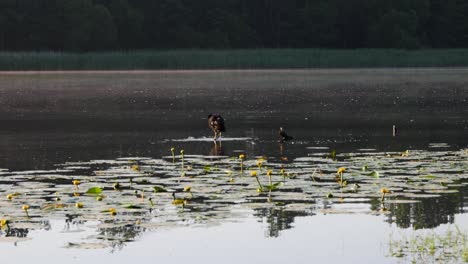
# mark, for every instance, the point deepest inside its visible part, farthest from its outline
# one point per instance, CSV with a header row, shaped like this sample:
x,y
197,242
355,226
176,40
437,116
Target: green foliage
x,y
233,59
449,247
158,189
374,174
94,191
92,25
271,187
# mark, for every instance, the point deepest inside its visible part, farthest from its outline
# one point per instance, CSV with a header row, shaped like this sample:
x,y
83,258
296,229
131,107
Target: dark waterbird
x,y
216,123
283,135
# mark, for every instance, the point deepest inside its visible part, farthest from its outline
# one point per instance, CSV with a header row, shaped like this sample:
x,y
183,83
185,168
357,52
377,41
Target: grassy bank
x,y
233,59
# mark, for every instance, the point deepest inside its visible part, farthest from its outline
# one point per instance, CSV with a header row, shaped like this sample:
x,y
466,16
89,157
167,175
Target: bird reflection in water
x,y
283,137
216,149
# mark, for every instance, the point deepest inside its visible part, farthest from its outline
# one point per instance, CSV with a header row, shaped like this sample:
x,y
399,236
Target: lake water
x,y
64,120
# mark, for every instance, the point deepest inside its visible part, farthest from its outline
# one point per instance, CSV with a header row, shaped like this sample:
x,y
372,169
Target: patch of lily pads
x,y
142,193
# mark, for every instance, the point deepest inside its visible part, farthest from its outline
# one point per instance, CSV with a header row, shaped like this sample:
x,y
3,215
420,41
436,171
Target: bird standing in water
x,y
216,123
283,135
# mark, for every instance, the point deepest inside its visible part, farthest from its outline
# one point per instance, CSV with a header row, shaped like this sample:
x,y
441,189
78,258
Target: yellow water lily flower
x,y
4,223
405,153
182,152
341,170
253,173
10,196
25,207
179,202
135,167
112,211
172,149
187,188
384,190
76,183
79,205
269,172
241,156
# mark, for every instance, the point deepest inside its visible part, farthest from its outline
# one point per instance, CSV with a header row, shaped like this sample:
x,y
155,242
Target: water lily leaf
x,y
158,189
94,190
132,206
374,174
272,187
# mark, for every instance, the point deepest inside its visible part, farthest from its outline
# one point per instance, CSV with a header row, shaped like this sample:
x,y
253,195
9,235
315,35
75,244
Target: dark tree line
x,y
86,25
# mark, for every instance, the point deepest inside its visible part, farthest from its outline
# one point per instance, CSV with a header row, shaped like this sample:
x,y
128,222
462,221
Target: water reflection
x,y
119,235
15,232
217,149
278,219
429,213
100,117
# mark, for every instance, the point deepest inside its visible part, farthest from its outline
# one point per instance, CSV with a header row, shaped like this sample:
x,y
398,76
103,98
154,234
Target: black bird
x,y
216,123
283,135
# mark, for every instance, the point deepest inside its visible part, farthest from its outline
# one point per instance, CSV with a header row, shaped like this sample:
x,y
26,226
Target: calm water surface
x,y
51,118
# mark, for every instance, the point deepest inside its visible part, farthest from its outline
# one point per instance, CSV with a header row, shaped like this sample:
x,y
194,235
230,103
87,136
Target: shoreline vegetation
x,y
233,59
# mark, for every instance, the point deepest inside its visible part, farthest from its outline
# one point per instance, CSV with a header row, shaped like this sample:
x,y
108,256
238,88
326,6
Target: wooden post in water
x,y
394,131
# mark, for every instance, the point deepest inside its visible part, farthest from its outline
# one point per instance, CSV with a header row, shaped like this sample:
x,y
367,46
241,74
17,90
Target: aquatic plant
x,y
112,211
135,167
429,247
26,208
241,158
94,191
182,160
254,174
340,173
5,224
76,183
173,154
215,196
178,201
384,191
271,186
260,163
159,189
116,186
189,190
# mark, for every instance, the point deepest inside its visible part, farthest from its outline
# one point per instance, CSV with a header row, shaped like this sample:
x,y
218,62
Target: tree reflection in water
x,y
429,213
279,219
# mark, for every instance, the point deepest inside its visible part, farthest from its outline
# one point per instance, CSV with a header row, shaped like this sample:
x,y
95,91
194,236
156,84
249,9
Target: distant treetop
x,y
93,25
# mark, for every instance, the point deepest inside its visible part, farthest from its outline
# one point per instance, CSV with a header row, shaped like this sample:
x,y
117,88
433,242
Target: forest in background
x,y
106,25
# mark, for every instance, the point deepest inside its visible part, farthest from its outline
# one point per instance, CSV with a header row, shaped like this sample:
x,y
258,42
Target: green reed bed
x,y
233,59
